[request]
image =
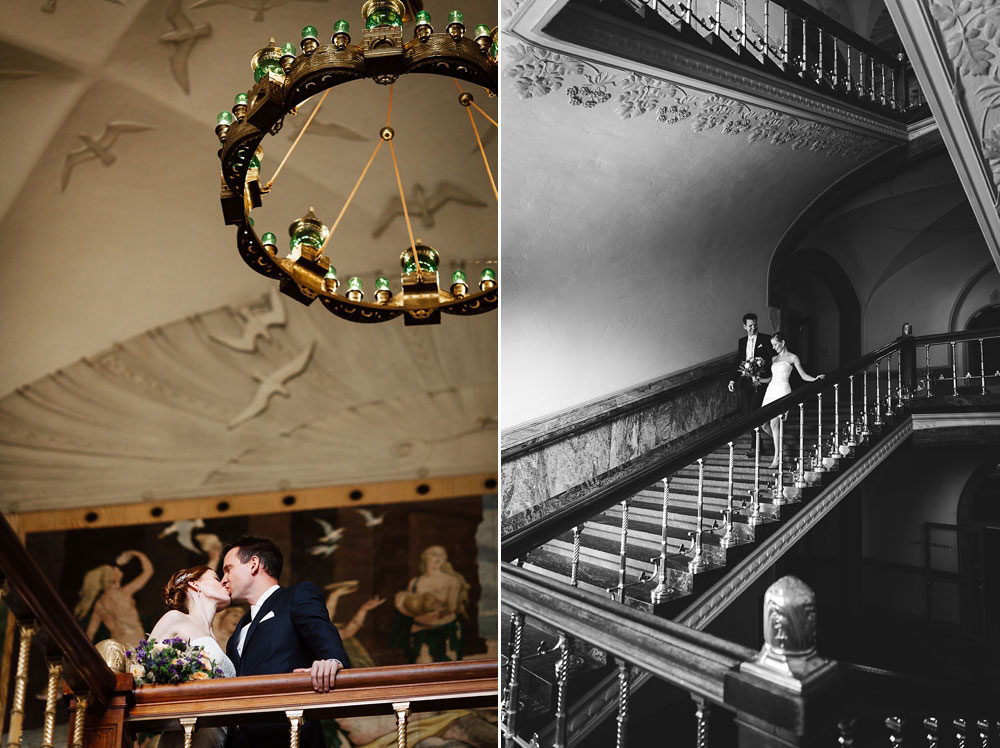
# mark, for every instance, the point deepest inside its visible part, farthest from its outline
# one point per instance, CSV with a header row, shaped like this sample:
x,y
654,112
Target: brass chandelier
x,y
284,79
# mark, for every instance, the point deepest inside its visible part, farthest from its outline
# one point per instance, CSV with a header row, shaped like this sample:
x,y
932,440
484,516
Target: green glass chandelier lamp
x,y
284,78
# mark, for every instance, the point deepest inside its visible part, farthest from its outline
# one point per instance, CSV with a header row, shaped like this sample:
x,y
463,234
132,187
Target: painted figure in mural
x,y
431,606
211,544
112,603
193,598
453,729
226,621
357,651
286,630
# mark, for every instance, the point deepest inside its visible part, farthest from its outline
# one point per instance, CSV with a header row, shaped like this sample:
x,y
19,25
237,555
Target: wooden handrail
x,y
33,596
646,470
957,337
358,692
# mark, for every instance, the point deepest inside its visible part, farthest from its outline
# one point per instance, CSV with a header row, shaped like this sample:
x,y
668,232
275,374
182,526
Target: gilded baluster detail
x,y
20,686
295,725
51,700
514,664
82,701
402,710
188,724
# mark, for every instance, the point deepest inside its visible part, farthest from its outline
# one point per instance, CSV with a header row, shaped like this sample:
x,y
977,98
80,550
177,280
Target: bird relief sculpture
x,y
99,148
183,37
255,325
273,383
424,205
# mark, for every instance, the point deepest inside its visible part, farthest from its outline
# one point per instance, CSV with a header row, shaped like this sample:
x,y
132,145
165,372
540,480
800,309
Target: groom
x,y
286,630
750,394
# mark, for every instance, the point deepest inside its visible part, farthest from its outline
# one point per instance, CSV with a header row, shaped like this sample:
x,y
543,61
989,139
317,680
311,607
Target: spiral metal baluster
x,y
622,558
864,405
20,686
960,726
784,52
800,478
767,30
718,20
819,61
931,725
845,732
701,713
187,724
82,701
836,64
803,63
728,538
860,88
574,569
778,495
927,369
871,79
698,562
565,647
895,727
295,727
662,590
984,732
878,394
899,378
402,710
623,693
51,700
836,419
982,366
819,431
850,380
849,83
755,517
514,663
743,25
954,372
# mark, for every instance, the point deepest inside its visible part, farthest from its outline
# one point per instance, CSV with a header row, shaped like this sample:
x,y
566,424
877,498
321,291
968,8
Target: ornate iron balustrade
x,y
794,39
105,709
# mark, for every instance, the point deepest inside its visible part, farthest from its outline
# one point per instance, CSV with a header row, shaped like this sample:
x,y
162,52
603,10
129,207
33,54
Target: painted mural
x,y
404,583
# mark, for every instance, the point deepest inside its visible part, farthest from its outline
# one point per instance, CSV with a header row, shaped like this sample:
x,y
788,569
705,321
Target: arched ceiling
x,y
101,257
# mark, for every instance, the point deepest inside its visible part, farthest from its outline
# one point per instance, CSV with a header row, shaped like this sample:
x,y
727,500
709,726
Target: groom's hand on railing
x,y
324,674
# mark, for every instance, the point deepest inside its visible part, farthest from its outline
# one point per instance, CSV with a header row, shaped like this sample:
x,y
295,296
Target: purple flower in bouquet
x,y
170,661
751,369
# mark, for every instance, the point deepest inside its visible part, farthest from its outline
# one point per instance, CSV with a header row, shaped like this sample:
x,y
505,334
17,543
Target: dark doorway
x,y
981,320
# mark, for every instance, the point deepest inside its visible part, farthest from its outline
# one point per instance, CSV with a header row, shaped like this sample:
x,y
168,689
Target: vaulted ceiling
x,y
120,283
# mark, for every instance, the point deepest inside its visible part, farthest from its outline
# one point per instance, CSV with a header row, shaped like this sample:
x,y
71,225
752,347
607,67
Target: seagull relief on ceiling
x,y
255,324
272,384
98,148
328,542
183,37
257,6
184,528
419,203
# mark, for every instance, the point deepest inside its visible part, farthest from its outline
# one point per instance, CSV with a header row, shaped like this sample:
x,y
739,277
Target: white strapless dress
x,y
206,737
779,385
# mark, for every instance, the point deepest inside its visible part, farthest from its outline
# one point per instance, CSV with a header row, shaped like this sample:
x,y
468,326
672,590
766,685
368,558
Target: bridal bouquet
x,y
170,661
752,369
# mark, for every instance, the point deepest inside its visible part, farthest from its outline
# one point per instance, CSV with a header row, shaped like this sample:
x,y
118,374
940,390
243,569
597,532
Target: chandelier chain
x,y
479,141
297,139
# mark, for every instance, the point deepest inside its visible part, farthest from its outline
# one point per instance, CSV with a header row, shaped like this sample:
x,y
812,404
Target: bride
x,y
193,596
778,385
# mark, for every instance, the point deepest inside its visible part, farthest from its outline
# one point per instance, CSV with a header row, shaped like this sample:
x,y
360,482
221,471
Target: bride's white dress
x,y
779,385
207,737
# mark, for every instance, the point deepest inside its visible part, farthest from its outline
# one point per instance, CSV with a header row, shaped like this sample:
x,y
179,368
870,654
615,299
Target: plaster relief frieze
x,y
273,384
255,324
425,205
98,148
536,72
183,37
257,6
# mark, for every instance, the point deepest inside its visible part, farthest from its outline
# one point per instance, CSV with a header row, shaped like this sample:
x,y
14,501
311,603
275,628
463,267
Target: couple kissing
x,y
286,630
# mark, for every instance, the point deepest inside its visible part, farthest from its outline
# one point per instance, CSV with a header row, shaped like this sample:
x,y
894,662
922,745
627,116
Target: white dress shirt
x,y
751,345
254,610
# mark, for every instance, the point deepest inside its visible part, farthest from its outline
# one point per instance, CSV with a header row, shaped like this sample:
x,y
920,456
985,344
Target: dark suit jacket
x,y
750,397
298,633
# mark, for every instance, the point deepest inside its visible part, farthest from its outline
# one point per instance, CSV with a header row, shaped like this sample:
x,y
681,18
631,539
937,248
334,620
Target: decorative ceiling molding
x,y
584,34
955,50
536,72
174,412
99,148
184,36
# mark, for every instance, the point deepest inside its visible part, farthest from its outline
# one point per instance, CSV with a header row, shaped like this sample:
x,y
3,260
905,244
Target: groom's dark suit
x,y
291,630
748,396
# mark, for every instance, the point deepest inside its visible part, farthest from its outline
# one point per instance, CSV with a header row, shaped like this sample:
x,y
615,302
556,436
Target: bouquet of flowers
x,y
170,661
751,368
